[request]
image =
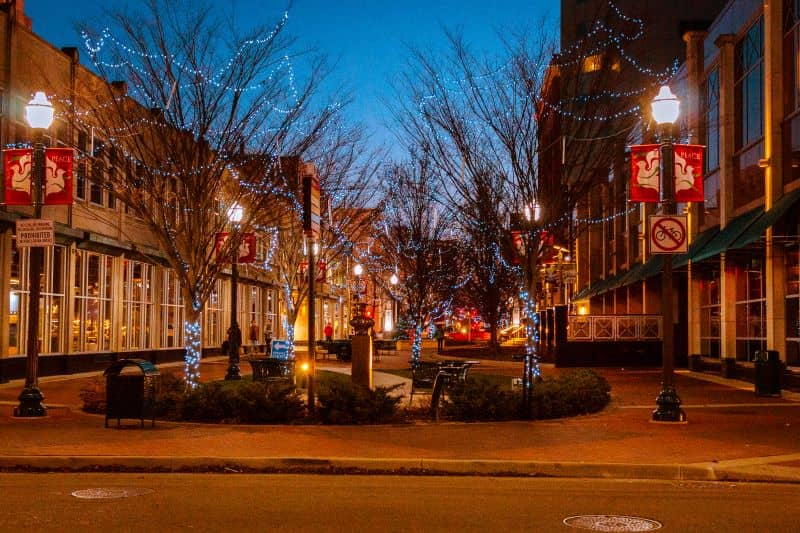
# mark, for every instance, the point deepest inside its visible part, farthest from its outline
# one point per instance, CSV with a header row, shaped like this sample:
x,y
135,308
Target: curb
x,y
433,467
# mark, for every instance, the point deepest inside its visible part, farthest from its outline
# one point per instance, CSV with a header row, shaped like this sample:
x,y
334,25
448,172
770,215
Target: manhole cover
x,y
608,522
109,494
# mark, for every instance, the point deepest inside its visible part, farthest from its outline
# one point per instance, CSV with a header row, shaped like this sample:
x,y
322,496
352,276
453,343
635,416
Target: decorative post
x,y
39,115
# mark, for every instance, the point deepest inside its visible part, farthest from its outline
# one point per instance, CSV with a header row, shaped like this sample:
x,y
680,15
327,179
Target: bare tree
x,y
193,112
414,239
487,123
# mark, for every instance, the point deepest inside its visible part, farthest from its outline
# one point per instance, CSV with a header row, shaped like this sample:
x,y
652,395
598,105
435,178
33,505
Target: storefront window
x,y
709,316
212,328
749,104
751,334
171,311
91,314
137,305
793,306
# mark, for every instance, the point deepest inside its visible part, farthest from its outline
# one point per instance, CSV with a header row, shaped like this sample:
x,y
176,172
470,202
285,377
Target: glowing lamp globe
x,y
358,270
39,112
665,106
394,280
235,213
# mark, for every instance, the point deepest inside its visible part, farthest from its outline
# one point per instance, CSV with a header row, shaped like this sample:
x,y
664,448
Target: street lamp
x,y
666,108
39,115
235,214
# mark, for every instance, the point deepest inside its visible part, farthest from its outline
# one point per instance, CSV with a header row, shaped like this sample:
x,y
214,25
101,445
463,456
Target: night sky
x,y
367,38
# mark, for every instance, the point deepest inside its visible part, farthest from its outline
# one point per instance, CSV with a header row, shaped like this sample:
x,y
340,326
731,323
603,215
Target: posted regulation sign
x,y
668,234
35,232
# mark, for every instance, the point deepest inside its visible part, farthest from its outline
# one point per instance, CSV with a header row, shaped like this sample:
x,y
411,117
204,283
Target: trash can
x,y
131,394
768,373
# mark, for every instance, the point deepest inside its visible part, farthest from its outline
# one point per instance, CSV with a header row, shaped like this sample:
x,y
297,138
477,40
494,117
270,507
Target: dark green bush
x,y
244,402
573,393
342,402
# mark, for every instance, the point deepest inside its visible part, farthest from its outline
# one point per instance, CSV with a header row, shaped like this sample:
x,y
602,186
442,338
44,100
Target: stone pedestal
x,y
361,372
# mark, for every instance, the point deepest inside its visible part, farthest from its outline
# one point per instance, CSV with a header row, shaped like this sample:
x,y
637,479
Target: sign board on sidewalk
x,y
280,349
35,232
668,234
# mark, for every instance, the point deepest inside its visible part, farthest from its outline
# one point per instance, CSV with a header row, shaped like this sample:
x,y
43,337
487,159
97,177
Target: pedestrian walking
x,y
439,335
253,336
328,331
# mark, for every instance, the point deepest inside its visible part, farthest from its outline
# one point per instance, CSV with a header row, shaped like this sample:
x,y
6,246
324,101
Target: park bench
x,y
271,370
425,374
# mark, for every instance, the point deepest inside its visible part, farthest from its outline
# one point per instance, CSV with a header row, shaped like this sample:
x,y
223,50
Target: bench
x,y
424,374
269,370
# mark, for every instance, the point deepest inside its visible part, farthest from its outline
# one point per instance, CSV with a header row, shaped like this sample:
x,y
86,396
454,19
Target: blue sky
x,y
367,38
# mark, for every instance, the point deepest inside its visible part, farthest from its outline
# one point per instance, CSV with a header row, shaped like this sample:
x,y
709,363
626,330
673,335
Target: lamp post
x,y
666,107
39,115
235,214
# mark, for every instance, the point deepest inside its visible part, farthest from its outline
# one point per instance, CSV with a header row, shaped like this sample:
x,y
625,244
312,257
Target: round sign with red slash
x,y
668,234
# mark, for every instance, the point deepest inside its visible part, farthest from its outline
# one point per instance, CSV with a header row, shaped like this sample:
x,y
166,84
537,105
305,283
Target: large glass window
x,y
712,120
751,333
91,314
791,85
709,316
212,328
51,300
793,306
137,305
749,104
171,311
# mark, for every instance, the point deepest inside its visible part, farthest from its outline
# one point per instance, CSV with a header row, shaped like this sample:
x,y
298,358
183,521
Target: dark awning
x,y
726,236
702,238
767,219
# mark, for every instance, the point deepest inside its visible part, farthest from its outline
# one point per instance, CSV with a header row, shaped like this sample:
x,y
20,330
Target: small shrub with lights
x,y
342,402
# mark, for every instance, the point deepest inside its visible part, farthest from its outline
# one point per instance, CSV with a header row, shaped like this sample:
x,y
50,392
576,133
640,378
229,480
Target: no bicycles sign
x,y
668,234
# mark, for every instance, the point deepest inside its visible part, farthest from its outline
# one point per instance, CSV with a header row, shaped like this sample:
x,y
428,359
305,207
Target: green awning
x,y
653,266
632,275
700,240
767,219
727,235
581,294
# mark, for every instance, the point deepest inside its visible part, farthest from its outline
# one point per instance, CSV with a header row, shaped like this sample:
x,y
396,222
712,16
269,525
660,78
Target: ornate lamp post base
x,y
669,406
30,403
233,373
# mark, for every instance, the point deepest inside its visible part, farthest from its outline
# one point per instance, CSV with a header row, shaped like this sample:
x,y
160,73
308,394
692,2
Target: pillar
x,y
775,264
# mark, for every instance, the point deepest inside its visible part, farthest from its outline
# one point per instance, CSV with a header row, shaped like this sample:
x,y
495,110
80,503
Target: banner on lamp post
x,y
247,246
645,185
58,176
18,164
689,173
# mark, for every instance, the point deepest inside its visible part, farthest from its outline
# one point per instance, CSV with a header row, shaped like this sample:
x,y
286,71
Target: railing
x,y
614,328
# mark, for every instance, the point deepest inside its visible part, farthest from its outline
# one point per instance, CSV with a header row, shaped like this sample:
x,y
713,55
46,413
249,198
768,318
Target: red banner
x,y
18,165
644,173
58,176
247,246
321,269
689,173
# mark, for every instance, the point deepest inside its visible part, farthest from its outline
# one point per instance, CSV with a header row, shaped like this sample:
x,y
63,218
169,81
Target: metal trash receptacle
x,y
131,395
768,369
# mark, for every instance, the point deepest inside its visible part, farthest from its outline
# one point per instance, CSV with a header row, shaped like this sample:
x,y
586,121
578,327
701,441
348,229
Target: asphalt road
x,y
239,502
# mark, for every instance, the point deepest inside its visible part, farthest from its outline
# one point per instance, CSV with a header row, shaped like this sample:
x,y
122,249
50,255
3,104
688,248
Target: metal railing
x,y
614,328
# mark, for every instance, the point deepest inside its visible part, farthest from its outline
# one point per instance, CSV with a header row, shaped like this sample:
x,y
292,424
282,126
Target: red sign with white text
x,y
689,173
247,246
58,176
645,160
18,164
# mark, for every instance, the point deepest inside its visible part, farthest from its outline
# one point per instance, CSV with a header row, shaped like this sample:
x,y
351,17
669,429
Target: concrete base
x,y
361,372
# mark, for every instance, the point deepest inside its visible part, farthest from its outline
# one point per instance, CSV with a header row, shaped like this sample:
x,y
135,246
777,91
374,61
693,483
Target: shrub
x,y
243,402
573,393
343,402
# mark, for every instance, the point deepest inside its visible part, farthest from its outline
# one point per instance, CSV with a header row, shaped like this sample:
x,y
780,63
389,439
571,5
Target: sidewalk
x,y
731,435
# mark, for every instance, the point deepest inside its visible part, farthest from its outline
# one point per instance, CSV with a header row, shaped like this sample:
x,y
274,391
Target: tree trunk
x,y
416,346
192,341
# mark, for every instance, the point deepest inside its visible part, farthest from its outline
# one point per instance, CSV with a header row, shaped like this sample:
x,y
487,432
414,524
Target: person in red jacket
x,y
328,331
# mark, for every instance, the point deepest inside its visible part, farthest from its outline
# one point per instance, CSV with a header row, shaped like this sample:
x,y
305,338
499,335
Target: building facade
x,y
737,290
107,292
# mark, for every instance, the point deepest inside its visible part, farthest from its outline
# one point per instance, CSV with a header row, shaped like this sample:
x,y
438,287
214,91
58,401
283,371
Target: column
x,y
775,265
727,131
5,291
694,66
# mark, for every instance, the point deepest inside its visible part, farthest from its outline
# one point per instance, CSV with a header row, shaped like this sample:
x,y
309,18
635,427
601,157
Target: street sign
x,y
280,349
311,201
35,232
668,234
